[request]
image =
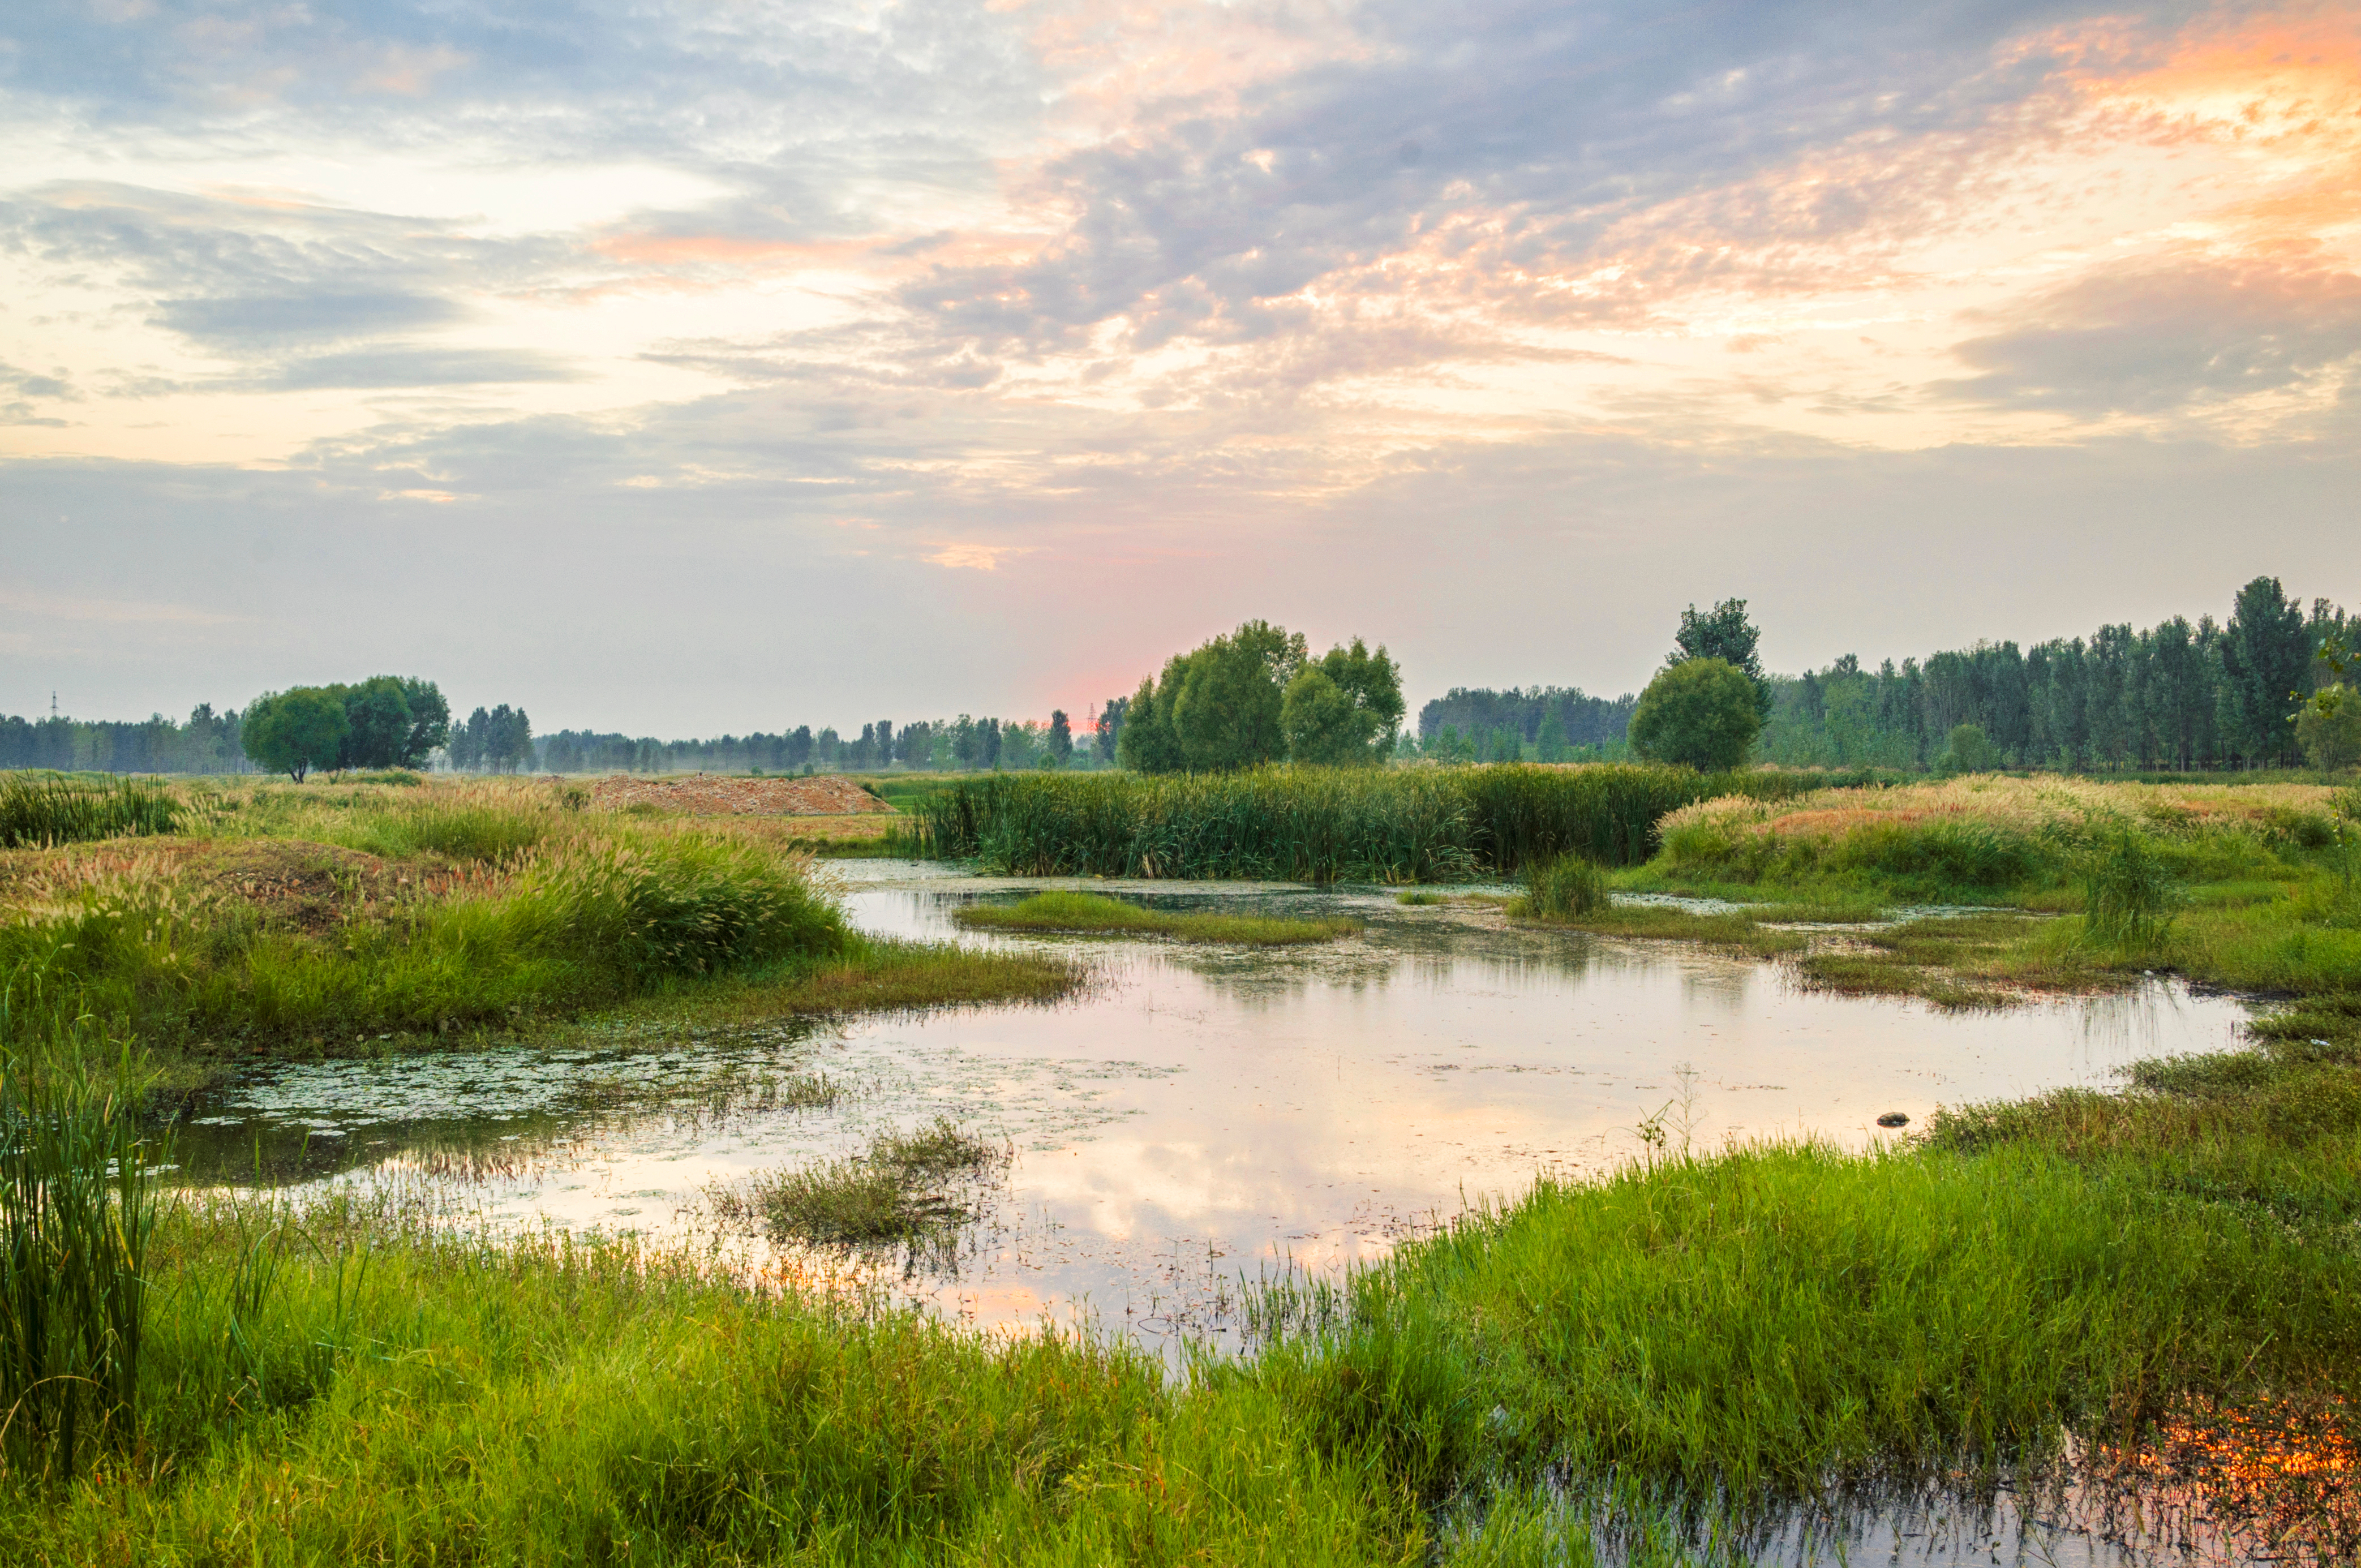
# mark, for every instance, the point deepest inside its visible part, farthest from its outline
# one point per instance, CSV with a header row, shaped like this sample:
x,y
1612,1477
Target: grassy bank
x,y
1680,1347
2254,888
307,920
1392,825
1092,913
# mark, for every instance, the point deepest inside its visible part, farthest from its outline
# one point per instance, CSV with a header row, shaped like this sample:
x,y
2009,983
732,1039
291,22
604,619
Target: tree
x,y
1226,712
2265,662
1110,730
377,723
1147,743
916,745
1062,738
1968,751
2330,736
467,741
1320,723
296,731
430,723
1723,632
1698,711
1552,740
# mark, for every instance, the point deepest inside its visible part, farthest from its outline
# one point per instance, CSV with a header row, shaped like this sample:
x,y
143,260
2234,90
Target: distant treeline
x,y
1548,723
965,743
2177,696
208,743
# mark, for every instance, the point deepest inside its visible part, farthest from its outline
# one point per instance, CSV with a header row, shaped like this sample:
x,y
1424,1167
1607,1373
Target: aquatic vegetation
x,y
1094,913
36,813
1561,889
1396,825
890,1191
2129,895
78,1207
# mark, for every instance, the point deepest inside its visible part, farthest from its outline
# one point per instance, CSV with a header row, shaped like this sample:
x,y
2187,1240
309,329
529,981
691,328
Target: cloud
x,y
256,320
2165,339
419,366
975,557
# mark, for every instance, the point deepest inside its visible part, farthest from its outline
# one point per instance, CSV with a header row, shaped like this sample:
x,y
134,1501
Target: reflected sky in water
x,y
1202,1114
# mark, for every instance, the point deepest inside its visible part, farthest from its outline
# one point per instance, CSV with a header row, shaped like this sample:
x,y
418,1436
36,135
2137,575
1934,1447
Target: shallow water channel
x,y
1201,1115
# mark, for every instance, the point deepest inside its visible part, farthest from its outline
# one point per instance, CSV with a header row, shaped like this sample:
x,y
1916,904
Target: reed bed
x,y
1396,825
36,813
1091,913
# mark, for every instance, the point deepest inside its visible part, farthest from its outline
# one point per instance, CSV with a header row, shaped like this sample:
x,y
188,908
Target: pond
x,y
1200,1115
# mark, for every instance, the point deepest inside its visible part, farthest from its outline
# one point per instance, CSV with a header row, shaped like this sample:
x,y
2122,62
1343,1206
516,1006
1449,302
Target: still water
x,y
1200,1115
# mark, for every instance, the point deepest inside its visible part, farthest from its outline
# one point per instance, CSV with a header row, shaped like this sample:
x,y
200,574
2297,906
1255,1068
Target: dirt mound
x,y
709,795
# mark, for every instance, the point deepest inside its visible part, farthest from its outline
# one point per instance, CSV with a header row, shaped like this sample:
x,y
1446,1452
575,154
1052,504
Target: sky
x,y
684,367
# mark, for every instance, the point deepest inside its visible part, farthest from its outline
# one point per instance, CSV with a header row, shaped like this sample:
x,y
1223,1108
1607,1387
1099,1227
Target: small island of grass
x,y
1095,912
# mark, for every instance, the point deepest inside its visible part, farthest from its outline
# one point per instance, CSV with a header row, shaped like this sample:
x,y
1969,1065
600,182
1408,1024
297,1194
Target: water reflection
x,y
1205,1112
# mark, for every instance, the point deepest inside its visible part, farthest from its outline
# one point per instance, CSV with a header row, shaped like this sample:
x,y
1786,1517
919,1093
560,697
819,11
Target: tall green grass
x,y
575,927
78,1207
36,812
1317,824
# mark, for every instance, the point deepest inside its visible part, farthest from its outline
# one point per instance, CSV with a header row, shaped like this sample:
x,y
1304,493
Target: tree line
x,y
963,744
2176,696
386,721
209,742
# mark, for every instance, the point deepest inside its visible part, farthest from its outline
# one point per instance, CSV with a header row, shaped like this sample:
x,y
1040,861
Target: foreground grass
x,y
1095,914
1701,1332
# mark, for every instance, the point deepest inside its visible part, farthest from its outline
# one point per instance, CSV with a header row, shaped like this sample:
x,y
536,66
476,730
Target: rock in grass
x,y
1893,1119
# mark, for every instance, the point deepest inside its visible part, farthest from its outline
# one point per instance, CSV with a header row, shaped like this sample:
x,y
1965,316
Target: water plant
x,y
889,1192
2129,896
1091,911
1399,824
36,813
78,1207
1566,886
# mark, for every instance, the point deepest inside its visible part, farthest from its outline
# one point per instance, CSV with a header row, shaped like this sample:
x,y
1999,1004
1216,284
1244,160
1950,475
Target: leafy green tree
x,y
1147,743
1110,730
2330,736
376,722
430,723
916,745
1321,724
1062,738
1226,712
1699,711
1723,632
1968,751
296,731
2265,664
1552,740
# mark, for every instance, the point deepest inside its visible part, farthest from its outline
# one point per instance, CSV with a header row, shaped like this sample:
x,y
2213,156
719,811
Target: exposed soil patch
x,y
315,887
703,795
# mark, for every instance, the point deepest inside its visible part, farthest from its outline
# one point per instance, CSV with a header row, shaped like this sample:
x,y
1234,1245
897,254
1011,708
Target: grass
x,y
892,1191
290,920
1562,889
1671,1350
1392,825
1098,915
41,812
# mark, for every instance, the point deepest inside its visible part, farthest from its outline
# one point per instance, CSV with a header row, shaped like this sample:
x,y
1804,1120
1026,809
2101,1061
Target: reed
x,y
1398,825
39,813
2129,895
1566,886
78,1206
1092,913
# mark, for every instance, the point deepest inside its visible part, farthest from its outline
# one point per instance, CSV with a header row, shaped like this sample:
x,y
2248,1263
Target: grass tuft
x,y
1092,913
41,812
890,1191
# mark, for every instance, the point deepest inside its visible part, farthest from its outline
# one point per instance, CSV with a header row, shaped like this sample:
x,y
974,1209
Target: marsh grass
x,y
2129,896
896,1190
1420,898
39,813
1391,824
1562,889
78,1207
1095,914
